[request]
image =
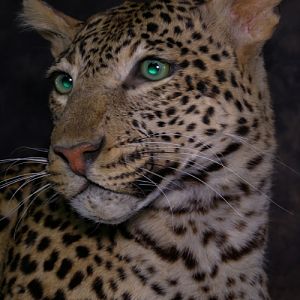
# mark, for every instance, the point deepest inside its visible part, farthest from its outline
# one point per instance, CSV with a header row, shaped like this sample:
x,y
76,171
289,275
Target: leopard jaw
x,y
104,206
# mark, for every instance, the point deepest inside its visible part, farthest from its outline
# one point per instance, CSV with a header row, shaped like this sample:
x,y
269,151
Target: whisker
x,y
277,159
28,159
203,182
27,182
158,187
43,150
164,194
206,141
155,174
53,198
144,182
236,174
18,164
19,178
13,211
239,138
21,163
169,133
179,146
211,188
37,193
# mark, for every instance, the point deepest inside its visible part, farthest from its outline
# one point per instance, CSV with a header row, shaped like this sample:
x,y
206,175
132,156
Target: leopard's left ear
x,y
53,25
252,24
247,23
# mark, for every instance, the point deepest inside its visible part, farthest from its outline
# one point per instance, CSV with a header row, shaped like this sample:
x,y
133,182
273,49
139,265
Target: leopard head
x,y
153,98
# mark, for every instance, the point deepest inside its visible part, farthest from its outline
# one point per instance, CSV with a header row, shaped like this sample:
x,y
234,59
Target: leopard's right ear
x,y
53,25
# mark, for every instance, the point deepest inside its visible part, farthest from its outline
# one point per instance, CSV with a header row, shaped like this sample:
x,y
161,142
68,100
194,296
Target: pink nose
x,y
78,156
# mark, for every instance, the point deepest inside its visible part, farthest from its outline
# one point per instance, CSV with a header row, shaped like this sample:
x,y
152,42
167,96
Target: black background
x,y
25,119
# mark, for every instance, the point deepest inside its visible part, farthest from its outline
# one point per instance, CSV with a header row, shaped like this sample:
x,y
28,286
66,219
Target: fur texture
x,y
182,165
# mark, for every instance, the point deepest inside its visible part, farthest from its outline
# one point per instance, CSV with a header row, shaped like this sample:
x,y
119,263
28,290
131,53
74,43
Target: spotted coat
x,y
169,198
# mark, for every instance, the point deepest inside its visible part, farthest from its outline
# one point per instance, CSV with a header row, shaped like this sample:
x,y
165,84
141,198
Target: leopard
x,y
157,182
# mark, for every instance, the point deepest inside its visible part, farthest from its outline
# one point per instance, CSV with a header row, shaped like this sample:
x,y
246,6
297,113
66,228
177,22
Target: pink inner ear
x,y
244,26
252,23
253,16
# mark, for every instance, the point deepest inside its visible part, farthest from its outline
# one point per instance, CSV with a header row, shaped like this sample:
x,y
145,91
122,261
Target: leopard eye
x,y
63,83
154,70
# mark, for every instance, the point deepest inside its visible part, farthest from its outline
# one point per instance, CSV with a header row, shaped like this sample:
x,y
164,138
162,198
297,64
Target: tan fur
x,y
53,25
249,23
256,19
181,166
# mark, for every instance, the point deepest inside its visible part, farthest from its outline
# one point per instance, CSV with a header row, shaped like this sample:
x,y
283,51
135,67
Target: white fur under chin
x,y
104,206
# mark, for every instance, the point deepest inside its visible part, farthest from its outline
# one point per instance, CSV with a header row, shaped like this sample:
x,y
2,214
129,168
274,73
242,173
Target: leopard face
x,y
153,98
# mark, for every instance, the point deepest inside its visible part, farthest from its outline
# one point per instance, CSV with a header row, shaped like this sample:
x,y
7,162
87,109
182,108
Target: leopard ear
x,y
252,24
247,23
53,25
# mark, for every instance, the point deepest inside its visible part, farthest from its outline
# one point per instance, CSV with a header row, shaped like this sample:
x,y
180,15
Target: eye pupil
x,y
63,83
154,69
67,82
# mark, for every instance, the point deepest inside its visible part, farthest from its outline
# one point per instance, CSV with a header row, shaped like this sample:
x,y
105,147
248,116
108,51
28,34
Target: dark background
x,y
25,120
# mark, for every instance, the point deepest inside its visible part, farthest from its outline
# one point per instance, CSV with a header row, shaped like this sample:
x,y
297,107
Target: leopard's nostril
x,y
79,156
91,156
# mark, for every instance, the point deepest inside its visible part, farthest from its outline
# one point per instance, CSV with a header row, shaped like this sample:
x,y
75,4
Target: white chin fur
x,y
103,206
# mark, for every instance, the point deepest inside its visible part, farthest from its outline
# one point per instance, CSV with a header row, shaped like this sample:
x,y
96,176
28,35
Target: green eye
x,y
155,69
63,83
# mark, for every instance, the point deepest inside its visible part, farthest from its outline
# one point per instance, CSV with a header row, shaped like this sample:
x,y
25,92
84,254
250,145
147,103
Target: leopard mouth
x,y
103,205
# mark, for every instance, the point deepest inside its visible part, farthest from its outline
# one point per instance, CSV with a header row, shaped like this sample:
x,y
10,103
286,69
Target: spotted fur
x,y
178,170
